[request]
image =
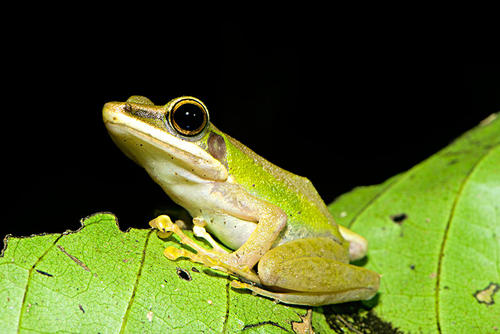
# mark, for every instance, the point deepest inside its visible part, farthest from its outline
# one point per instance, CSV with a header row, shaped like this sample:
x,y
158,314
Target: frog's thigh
x,y
316,268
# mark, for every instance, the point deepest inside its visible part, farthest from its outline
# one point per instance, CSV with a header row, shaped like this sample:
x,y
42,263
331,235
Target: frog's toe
x,y
162,223
173,253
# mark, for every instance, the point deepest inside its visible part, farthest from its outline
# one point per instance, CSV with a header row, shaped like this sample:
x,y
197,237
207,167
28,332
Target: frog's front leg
x,y
166,227
233,200
317,274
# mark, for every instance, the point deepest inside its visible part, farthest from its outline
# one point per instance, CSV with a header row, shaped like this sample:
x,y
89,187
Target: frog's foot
x,y
166,227
216,258
300,298
294,298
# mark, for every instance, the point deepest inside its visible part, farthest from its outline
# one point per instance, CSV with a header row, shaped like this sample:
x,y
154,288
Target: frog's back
x,y
307,214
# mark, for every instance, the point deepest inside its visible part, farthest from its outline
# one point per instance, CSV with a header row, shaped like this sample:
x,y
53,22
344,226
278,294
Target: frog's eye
x,y
188,117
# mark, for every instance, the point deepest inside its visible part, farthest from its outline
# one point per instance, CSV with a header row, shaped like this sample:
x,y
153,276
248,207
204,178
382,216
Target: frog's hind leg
x,y
297,298
312,271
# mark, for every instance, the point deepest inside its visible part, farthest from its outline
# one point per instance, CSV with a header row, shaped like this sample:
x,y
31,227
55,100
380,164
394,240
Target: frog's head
x,y
172,141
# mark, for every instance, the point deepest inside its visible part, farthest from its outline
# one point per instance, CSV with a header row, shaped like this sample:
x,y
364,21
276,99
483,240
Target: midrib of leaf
x,y
447,228
139,272
26,289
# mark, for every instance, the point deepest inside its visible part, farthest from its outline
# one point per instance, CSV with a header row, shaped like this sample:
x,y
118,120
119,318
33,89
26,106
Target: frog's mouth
x,y
146,141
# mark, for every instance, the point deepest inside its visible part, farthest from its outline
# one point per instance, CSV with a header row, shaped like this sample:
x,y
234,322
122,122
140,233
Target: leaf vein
x,y
447,228
30,272
134,290
226,317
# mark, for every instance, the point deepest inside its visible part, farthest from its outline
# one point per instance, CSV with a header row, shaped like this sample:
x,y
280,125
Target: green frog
x,y
284,243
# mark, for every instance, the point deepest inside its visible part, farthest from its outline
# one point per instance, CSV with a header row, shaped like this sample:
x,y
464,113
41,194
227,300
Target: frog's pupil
x,y
189,117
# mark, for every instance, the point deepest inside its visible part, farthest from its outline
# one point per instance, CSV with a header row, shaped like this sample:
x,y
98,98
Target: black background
x,y
343,109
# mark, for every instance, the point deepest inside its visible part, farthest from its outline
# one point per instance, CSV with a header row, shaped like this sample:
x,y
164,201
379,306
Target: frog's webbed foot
x,y
166,227
300,298
216,258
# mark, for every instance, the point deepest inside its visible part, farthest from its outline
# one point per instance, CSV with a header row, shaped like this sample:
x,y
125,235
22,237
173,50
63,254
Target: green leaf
x,y
434,235
102,280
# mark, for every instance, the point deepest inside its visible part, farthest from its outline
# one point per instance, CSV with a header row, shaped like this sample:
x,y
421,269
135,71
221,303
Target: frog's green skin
x,y
267,215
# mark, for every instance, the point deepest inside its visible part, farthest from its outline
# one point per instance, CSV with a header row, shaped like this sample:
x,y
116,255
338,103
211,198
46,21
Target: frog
x,y
274,235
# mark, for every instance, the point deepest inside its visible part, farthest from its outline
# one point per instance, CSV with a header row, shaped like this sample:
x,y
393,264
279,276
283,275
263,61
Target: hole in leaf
x,y
183,274
399,218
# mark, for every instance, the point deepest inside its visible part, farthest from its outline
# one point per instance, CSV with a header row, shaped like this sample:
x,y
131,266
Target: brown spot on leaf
x,y
74,258
485,296
305,325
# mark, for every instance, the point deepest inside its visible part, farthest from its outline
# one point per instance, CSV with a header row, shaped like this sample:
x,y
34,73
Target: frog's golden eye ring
x,y
188,117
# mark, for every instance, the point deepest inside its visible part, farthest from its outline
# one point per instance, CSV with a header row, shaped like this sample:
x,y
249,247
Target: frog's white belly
x,y
200,200
231,231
